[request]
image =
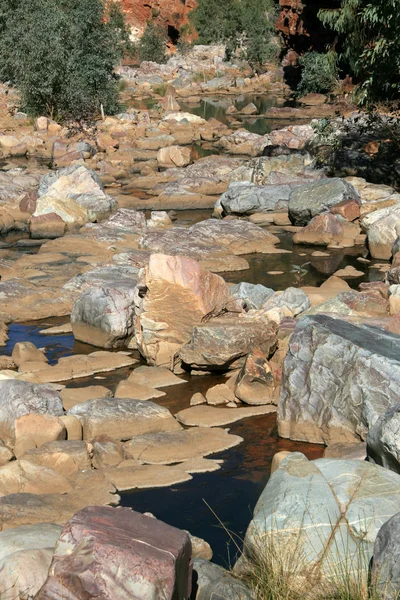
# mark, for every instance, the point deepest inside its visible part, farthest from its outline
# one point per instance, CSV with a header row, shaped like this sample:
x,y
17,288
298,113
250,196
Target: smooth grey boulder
x,y
211,582
320,518
338,379
25,557
244,198
311,199
386,560
224,343
253,295
104,316
121,419
19,398
102,276
383,440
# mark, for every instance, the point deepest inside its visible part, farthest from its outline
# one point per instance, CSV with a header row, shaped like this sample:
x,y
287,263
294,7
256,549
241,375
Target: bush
x,y
152,45
320,73
63,64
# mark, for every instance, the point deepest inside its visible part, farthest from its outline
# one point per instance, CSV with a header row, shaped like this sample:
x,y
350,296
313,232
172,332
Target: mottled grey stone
x,y
211,582
253,295
245,198
386,560
383,440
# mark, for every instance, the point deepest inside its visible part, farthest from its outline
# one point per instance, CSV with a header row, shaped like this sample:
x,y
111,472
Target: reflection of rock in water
x,y
326,265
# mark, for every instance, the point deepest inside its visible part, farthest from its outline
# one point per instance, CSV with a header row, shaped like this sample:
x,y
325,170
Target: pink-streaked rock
x,y
117,553
323,230
348,209
174,293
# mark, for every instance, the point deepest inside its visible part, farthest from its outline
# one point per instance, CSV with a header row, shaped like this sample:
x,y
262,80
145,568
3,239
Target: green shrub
x,y
320,73
61,55
152,44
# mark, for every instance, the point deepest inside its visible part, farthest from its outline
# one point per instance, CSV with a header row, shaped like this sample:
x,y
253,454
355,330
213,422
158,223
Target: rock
x,y
75,194
73,427
159,219
356,451
41,428
385,574
381,227
65,457
313,99
277,459
220,394
213,582
174,293
394,299
294,299
106,452
210,416
48,226
27,352
23,476
122,419
18,398
174,156
200,548
383,440
131,555
133,221
338,379
127,389
322,230
155,377
253,295
223,343
25,557
309,200
239,237
184,116
326,511
5,454
255,383
130,475
249,109
177,446
349,272
244,198
105,316
72,396
348,209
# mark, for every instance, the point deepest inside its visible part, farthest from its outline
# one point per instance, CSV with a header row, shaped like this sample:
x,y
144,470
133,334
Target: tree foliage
x,y
152,44
61,54
368,31
319,74
245,24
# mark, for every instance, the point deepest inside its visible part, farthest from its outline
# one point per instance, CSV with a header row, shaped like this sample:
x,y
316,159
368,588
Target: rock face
x,y
223,343
166,12
309,200
386,560
245,198
122,419
19,398
338,379
75,194
118,553
383,440
326,511
174,293
382,228
215,582
105,316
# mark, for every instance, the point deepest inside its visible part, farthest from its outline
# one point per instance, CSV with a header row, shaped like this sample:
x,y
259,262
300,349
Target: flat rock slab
x,y
24,476
144,476
57,330
117,553
122,419
128,389
209,416
80,365
72,396
173,447
155,377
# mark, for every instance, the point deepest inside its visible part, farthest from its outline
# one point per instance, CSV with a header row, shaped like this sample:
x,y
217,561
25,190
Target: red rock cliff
x,y
171,14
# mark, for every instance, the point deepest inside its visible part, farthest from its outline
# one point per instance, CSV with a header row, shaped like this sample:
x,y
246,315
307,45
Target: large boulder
x,y
104,316
244,198
316,522
120,554
224,343
214,583
174,293
76,194
239,237
386,560
25,557
382,227
383,440
338,379
121,419
311,199
18,398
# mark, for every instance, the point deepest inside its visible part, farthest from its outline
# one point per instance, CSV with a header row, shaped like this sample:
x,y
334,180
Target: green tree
x,y
152,44
319,74
368,32
62,64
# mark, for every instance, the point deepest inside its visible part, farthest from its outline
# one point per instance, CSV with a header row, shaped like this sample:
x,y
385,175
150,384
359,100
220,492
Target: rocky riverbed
x,y
170,324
